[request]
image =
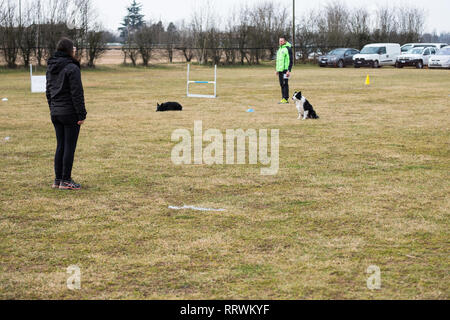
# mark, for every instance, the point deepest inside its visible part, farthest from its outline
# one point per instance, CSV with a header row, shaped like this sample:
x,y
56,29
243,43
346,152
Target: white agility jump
x,y
191,95
38,83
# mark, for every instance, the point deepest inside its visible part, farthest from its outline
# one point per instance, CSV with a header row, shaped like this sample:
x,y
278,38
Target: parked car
x,y
377,55
406,47
436,45
441,59
409,46
314,56
338,58
417,56
311,56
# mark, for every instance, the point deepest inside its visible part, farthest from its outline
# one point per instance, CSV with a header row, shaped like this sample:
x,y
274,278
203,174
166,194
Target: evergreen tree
x,y
171,28
133,21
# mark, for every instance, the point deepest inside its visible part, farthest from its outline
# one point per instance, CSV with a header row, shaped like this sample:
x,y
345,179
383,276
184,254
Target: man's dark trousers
x,y
284,83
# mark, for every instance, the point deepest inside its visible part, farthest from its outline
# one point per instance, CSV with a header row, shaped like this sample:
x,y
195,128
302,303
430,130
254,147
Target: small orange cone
x,y
368,81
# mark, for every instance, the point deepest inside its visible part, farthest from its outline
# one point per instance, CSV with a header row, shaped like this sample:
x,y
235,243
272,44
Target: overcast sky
x,y
111,12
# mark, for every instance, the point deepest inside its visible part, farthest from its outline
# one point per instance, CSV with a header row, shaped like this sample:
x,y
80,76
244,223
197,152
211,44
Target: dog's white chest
x,y
301,105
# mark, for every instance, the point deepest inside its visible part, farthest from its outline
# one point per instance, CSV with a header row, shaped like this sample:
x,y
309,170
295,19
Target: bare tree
x,y
2,22
2,12
260,24
411,24
144,38
37,21
26,33
131,50
78,20
186,42
53,25
321,34
214,43
337,21
95,45
306,34
242,32
204,30
9,34
198,28
386,25
269,21
359,24
230,41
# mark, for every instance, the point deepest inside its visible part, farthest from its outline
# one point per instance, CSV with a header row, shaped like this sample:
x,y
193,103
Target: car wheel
x,y
419,65
398,65
340,64
375,64
357,67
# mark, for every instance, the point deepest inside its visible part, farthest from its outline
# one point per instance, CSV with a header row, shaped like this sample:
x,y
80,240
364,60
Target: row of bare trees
x,y
250,34
32,30
336,25
247,35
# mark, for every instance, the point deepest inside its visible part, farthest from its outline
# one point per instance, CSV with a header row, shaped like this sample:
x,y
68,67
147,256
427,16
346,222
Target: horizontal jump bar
x,y
202,82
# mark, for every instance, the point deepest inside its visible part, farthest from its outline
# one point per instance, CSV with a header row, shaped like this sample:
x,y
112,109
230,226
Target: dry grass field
x,y
367,184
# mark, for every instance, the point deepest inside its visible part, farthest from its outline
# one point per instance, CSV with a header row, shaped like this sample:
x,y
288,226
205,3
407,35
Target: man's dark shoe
x,y
69,185
56,184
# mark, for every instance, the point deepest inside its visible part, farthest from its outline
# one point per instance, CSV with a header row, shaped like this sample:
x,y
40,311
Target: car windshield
x,y
416,51
337,52
406,48
370,50
444,52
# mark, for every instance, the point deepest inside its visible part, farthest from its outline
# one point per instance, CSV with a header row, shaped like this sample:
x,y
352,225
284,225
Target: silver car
x,y
441,59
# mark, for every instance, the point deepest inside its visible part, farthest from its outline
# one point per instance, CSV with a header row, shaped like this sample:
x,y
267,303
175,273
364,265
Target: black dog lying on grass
x,y
169,106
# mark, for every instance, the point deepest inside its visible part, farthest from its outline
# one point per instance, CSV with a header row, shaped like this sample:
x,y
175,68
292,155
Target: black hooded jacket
x,y
65,93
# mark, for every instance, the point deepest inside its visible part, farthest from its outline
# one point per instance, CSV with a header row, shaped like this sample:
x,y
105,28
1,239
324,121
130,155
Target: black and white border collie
x,y
305,109
169,106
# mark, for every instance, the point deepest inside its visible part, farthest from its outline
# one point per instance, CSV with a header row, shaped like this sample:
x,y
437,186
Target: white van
x,y
377,55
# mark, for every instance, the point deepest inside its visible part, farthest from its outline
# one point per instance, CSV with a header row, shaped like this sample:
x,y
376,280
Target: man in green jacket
x,y
284,68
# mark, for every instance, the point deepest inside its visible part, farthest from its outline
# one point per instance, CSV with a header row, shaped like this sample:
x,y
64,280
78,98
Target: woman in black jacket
x,y
65,98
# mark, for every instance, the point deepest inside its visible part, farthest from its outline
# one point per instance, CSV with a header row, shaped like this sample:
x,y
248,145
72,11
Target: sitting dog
x,y
304,108
169,106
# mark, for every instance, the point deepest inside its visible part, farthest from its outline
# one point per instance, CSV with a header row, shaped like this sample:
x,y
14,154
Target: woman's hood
x,y
59,61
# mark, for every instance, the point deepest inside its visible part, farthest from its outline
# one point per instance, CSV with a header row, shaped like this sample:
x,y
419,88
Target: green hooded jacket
x,y
284,58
